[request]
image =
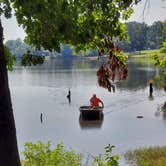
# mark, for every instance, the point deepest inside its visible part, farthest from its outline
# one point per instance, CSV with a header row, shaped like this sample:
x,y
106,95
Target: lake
x,y
43,89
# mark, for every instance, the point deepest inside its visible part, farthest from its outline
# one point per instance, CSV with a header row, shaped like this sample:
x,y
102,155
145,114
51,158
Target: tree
x,y
142,36
89,21
17,47
163,49
8,143
137,34
154,35
82,23
160,60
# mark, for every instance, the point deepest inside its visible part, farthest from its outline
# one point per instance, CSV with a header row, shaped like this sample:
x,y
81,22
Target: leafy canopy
x,y
160,59
81,23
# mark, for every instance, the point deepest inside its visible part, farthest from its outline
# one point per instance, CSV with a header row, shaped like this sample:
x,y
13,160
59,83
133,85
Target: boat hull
x,y
89,113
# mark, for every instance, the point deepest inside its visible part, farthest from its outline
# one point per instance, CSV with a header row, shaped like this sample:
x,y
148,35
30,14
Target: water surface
x,y
43,89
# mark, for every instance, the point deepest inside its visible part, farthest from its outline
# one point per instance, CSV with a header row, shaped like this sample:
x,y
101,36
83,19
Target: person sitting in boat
x,y
95,101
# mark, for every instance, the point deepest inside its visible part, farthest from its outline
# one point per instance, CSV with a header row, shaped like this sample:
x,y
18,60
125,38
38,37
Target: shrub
x,y
107,159
40,154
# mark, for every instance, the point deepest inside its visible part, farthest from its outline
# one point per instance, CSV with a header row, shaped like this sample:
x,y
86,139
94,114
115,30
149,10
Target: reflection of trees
x,y
74,63
84,64
164,115
138,76
54,63
161,83
161,111
60,63
81,64
161,80
45,74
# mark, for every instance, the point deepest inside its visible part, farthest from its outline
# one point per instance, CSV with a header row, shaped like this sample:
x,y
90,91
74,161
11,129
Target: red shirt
x,y
95,101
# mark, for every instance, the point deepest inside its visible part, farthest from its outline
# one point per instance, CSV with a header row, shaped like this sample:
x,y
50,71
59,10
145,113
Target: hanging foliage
x,y
113,67
10,59
29,59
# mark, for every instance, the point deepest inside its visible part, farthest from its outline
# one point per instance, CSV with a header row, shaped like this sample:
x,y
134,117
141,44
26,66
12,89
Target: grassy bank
x,y
144,54
152,156
147,56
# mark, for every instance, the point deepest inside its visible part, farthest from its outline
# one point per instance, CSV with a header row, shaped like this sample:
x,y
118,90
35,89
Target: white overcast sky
x,y
155,11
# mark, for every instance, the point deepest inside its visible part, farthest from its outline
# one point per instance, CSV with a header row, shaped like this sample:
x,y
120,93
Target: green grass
x,y
144,54
152,156
148,56
144,60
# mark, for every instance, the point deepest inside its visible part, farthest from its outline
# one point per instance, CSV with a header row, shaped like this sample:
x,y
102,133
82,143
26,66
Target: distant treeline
x,y
143,36
140,37
18,48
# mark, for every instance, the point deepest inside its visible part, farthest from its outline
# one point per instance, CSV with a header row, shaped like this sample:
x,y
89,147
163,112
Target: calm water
x,y
43,89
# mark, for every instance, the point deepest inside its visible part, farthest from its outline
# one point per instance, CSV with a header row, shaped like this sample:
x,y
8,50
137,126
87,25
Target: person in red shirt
x,y
95,102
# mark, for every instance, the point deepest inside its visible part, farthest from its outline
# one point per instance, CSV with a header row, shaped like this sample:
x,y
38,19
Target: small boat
x,y
89,112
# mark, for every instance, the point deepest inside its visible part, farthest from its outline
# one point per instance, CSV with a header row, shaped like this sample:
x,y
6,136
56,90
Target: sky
x,y
155,11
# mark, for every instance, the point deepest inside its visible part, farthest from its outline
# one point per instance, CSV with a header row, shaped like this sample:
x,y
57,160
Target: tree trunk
x,y
9,155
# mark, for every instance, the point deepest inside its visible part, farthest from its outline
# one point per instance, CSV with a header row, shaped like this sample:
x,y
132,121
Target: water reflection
x,y
41,117
161,111
43,89
138,76
151,97
164,115
91,122
69,71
